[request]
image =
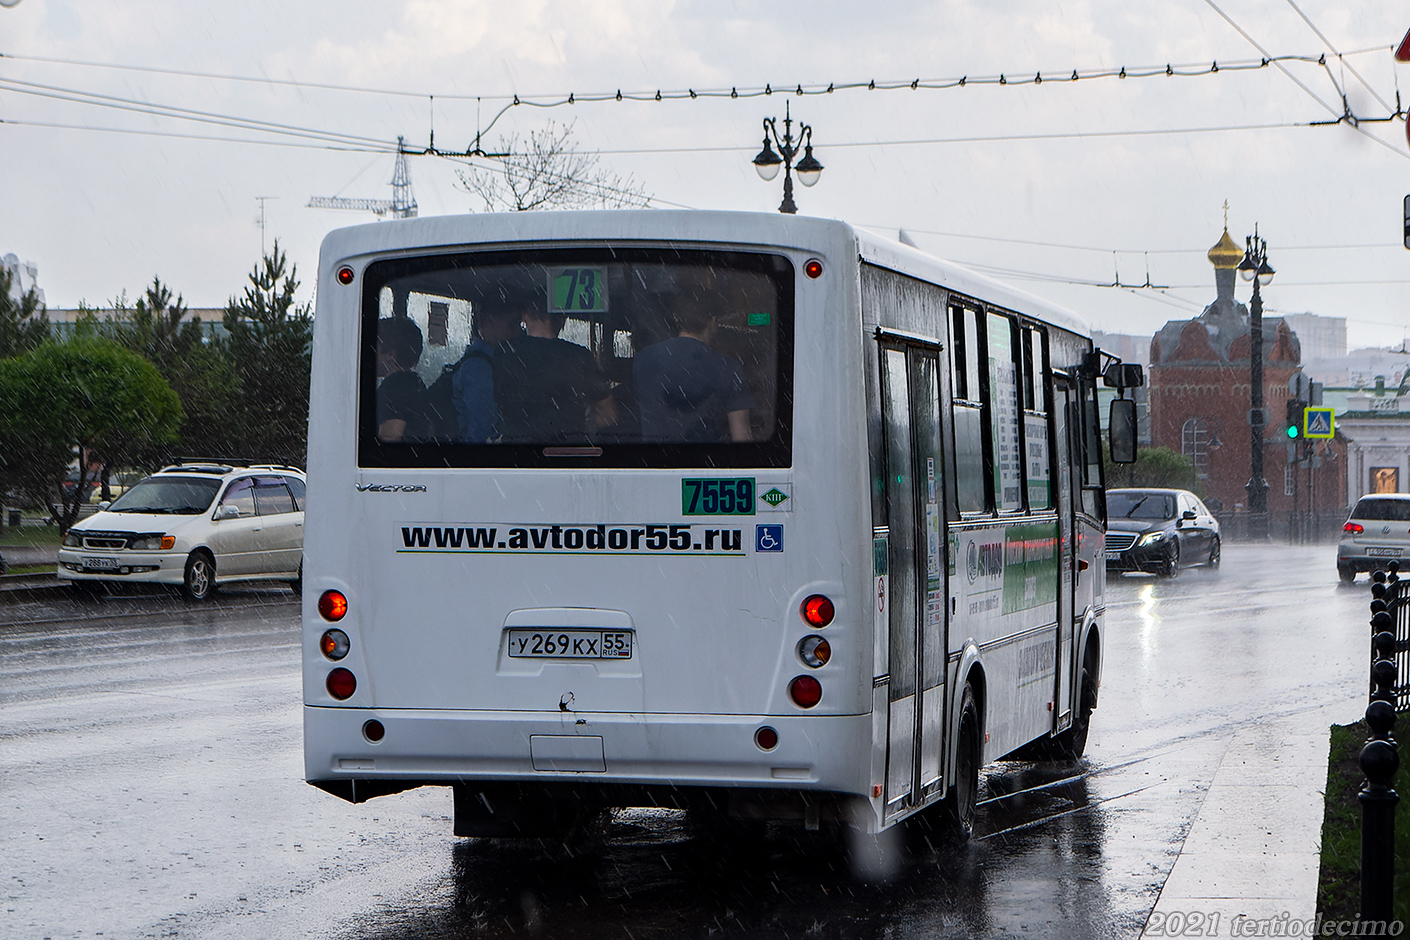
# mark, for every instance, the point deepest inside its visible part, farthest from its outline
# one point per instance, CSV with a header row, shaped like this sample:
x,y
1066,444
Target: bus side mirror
x,y
1124,375
1121,430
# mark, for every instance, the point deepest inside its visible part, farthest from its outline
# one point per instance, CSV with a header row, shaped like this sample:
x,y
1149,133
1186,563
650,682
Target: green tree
x,y
268,344
23,322
83,397
1154,467
156,328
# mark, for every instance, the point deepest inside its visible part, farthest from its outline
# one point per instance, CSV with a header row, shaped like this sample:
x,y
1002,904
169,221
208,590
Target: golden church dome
x,y
1226,254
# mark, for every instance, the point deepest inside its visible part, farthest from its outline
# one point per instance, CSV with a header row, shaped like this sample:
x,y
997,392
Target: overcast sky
x,y
1050,186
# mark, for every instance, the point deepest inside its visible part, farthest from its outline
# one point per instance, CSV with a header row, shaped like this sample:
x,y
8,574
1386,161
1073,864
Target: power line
x,y
1108,250
94,99
1345,113
173,135
1016,77
1328,43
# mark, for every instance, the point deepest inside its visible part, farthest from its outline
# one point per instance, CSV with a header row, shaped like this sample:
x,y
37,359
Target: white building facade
x,y
1377,424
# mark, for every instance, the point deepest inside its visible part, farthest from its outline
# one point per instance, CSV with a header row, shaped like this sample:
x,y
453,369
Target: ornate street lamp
x,y
768,161
1255,268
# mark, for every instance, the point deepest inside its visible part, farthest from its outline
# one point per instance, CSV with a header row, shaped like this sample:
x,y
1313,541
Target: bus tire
x,y
199,581
962,802
1071,744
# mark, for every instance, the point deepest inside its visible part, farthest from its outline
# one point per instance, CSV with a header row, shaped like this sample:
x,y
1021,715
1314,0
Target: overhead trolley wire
x,y
96,99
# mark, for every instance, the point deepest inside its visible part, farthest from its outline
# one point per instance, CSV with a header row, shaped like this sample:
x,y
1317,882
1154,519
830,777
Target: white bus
x,y
737,513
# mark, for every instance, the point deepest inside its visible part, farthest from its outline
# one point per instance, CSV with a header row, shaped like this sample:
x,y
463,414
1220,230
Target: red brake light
x,y
805,691
1352,527
341,684
332,605
817,611
345,275
813,269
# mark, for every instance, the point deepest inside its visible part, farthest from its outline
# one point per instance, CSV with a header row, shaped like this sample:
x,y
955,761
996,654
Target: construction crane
x,y
402,205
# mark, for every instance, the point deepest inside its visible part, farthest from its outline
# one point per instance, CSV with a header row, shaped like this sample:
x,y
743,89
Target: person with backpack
x,y
472,378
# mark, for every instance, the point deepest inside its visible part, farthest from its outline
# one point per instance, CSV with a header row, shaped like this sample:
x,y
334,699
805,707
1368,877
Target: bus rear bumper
x,y
627,752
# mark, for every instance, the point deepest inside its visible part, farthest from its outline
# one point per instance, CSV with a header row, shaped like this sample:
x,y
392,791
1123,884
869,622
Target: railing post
x,y
1380,759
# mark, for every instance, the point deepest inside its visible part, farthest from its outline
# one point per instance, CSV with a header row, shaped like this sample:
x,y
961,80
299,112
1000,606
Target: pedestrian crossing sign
x,y
1318,423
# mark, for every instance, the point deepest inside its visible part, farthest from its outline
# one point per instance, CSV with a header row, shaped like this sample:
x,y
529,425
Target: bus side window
x,y
971,483
1004,413
1035,421
1093,497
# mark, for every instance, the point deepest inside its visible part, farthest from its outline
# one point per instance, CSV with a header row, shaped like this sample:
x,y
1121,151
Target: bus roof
x,y
449,232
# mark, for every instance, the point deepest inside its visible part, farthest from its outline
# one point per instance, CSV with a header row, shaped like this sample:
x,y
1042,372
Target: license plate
x,y
1113,556
1389,552
100,563
570,644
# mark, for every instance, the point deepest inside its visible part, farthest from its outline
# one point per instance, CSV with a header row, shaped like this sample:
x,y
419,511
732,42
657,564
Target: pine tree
x,y
268,346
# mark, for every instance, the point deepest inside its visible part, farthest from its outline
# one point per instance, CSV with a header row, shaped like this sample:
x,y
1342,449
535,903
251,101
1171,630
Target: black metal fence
x,y
1380,757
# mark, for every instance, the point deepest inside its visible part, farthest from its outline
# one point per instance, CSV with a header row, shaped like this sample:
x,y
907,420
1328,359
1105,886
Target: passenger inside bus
x,y
473,379
402,403
547,389
686,390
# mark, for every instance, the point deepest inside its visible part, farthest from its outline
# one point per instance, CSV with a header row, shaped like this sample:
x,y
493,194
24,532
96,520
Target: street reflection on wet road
x,y
153,785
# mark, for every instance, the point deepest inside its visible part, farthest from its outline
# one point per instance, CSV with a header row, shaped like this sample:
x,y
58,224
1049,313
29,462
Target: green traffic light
x,y
1293,432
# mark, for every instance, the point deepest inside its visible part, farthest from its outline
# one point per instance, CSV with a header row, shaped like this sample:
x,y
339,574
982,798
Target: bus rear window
x,y
610,357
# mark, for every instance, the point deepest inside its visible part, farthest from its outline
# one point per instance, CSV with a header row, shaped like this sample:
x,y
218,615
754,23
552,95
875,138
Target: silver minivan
x,y
1377,532
194,526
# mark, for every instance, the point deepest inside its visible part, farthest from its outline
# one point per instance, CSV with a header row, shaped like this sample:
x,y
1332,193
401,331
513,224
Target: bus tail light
x,y
334,644
1354,528
341,684
332,605
766,738
373,730
805,691
817,611
814,651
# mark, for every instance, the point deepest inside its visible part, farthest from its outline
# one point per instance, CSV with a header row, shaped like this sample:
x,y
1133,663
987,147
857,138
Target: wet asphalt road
x,y
151,786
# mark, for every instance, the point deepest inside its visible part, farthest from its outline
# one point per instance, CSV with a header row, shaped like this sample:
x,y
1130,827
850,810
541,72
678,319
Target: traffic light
x,y
1294,419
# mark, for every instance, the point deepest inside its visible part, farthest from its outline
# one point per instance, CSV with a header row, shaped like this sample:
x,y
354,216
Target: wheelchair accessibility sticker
x,y
768,538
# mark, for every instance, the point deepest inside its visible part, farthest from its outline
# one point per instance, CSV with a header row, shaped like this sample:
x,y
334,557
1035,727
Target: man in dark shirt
x,y
402,404
686,391
547,389
473,382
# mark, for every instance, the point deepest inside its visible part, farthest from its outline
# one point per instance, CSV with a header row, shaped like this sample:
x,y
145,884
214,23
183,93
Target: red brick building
x,y
1200,399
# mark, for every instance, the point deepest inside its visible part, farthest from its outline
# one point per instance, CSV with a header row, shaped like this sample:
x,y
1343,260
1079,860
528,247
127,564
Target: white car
x,y
1377,532
195,525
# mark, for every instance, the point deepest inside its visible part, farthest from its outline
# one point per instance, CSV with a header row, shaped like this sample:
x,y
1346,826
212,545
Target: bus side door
x,y
916,621
1066,455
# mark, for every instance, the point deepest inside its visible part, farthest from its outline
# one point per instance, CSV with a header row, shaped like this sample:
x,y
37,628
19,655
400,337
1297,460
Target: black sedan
x,y
1159,531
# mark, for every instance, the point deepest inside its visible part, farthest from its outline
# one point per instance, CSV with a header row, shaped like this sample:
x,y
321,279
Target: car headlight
x,y
1150,538
73,539
152,543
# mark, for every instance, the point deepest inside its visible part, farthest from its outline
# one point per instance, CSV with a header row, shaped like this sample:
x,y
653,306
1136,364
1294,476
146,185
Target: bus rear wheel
x,y
1071,744
962,802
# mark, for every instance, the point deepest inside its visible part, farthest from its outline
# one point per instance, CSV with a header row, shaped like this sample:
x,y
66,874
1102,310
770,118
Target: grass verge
x,y
1339,882
39,536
